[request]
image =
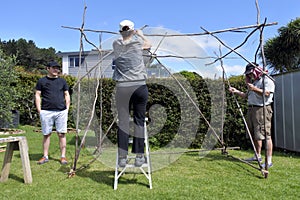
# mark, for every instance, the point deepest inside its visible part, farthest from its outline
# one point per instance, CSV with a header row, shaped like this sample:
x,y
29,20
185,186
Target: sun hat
x,y
126,25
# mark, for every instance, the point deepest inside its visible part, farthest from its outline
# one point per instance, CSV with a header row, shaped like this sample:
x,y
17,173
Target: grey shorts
x,y
255,122
51,118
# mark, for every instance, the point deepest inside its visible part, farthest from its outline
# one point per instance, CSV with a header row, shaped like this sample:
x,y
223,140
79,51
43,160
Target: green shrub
x,y
8,91
167,103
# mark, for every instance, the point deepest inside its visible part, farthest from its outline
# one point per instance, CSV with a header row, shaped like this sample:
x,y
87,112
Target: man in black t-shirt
x,y
52,101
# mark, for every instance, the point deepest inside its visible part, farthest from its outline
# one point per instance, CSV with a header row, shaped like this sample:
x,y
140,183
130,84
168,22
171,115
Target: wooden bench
x,y
16,143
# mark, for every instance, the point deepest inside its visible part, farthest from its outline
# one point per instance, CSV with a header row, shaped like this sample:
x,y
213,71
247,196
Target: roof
x,y
92,52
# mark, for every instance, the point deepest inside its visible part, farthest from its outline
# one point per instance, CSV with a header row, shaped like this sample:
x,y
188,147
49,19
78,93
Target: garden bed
x,y
10,131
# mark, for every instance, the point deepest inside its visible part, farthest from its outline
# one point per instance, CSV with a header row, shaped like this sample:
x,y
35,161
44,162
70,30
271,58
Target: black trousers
x,y
127,98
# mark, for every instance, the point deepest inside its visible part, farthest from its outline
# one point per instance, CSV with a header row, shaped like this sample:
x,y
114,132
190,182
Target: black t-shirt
x,y
52,93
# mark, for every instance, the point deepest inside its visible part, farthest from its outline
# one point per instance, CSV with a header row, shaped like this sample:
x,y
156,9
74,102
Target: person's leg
x,y
269,150
122,103
258,146
251,123
259,128
62,144
269,147
263,131
46,144
139,101
47,122
61,124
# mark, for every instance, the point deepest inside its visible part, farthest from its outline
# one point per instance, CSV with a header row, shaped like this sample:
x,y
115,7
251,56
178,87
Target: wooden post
x,y
16,143
25,160
7,161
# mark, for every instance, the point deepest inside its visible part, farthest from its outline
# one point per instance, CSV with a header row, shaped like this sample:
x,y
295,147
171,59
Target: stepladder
x,y
16,143
145,169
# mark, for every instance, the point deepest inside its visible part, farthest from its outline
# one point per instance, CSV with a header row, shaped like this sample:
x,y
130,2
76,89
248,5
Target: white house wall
x,y
65,65
90,65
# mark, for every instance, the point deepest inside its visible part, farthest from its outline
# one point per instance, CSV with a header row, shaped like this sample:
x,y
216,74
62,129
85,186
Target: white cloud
x,y
233,70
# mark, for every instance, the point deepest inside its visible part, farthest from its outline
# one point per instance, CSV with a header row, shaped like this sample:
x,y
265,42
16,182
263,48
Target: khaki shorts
x,y
255,122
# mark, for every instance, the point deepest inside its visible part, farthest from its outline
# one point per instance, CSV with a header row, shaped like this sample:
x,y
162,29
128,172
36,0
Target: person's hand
x,y
236,91
251,86
147,44
232,90
139,33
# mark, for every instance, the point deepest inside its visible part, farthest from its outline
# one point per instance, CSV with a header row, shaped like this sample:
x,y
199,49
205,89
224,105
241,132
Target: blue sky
x,y
42,21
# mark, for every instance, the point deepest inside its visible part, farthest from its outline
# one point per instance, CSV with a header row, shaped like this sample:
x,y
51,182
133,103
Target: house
x,y
93,61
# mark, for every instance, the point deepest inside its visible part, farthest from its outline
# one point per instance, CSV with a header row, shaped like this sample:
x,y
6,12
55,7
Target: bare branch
x,y
173,35
246,39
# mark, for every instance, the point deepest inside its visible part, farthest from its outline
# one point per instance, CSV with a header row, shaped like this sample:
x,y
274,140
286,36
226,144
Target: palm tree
x,y
283,52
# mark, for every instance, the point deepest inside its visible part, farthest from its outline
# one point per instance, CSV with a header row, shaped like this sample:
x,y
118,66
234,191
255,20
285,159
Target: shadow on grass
x,y
72,141
107,177
38,156
35,156
222,160
133,180
16,178
254,172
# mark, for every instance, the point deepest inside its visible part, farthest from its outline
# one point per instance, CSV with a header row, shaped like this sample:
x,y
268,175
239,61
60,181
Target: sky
x,y
42,21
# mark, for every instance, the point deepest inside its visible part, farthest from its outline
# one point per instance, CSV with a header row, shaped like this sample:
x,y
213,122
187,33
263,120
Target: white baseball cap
x,y
126,23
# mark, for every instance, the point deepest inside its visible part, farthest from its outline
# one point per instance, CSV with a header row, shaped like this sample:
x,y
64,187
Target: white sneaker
x,y
269,165
252,159
122,162
139,160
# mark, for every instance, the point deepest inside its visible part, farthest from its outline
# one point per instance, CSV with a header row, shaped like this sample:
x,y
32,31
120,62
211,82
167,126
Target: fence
x,y
287,111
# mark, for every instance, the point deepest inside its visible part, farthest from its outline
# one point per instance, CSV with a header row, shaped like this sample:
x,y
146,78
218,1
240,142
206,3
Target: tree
x,y
28,54
283,52
7,89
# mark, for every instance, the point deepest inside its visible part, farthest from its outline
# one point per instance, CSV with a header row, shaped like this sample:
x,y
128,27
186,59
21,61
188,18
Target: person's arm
x,y
67,99
146,44
258,90
238,92
38,100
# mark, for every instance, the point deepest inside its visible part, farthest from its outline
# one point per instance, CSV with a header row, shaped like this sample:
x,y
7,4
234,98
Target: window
x,y
74,61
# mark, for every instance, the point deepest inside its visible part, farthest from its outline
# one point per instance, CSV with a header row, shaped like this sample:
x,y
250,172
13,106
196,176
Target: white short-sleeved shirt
x,y
256,99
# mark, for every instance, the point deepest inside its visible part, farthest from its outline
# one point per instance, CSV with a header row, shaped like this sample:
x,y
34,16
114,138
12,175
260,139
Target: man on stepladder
x,y
131,89
257,125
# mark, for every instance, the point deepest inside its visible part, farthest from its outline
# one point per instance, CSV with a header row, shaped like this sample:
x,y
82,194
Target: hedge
x,y
173,118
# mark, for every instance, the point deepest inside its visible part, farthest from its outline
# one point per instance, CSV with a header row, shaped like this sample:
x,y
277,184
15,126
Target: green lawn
x,y
215,176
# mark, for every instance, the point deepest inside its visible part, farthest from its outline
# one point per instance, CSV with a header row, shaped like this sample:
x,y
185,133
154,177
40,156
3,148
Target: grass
x,y
214,176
